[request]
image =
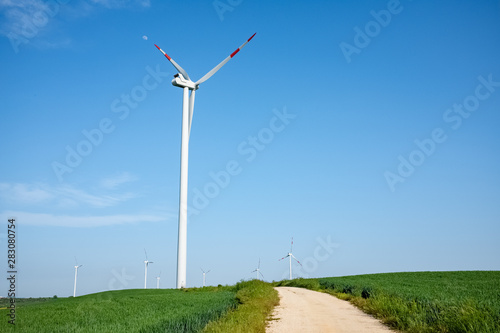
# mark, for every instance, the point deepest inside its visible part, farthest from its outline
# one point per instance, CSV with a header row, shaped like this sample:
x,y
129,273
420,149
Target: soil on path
x,y
303,310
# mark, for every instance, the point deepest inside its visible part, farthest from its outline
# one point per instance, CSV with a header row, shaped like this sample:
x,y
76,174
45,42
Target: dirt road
x,y
302,310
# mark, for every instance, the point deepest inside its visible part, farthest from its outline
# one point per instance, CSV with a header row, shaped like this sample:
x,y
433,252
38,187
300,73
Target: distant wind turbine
x,y
76,275
146,263
182,80
204,274
158,281
258,271
290,256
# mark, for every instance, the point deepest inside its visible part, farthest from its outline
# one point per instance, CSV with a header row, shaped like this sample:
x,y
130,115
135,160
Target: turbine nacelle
x,y
180,81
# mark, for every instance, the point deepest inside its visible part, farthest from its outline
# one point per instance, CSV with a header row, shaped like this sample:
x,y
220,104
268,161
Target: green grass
x,y
410,302
257,300
240,308
422,301
124,311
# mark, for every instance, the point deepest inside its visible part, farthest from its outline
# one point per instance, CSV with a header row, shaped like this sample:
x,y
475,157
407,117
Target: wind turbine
x,y
158,281
146,263
204,273
258,271
290,256
182,80
76,275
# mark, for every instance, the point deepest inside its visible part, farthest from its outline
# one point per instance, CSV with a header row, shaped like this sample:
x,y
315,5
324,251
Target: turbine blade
x,y
291,246
284,257
176,65
208,271
259,263
297,260
261,275
223,62
146,254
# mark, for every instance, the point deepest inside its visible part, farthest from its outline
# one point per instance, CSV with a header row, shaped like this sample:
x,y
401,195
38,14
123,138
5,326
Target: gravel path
x,y
303,310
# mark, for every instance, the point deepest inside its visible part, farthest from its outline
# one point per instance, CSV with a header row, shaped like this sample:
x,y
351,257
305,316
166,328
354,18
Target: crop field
x,y
149,310
409,302
466,301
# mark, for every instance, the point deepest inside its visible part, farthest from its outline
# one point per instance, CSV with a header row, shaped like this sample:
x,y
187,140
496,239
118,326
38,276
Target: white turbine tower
x,y
146,263
204,274
258,271
76,275
290,256
182,80
158,281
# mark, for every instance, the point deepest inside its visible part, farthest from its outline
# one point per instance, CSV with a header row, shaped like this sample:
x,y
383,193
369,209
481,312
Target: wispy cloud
x,y
23,20
41,204
122,3
117,180
30,193
42,219
64,196
19,15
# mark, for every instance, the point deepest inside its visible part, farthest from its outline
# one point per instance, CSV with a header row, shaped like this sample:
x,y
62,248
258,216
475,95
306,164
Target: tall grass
x,y
147,310
257,300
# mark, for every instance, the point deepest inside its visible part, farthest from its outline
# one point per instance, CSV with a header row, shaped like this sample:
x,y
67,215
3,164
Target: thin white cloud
x,y
122,3
23,20
61,196
24,17
90,199
115,181
31,193
43,219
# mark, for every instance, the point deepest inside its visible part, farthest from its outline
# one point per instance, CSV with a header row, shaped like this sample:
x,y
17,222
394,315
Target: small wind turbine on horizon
x,y
146,263
76,275
290,256
182,80
158,281
258,271
204,274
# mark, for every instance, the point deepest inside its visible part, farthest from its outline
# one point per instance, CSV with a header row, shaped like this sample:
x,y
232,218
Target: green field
x,y
466,301
409,302
142,310
243,307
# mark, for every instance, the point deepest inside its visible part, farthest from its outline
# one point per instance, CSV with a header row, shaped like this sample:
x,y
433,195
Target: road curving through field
x,y
303,310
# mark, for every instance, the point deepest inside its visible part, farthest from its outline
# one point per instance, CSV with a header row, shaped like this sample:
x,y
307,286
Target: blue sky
x,y
367,131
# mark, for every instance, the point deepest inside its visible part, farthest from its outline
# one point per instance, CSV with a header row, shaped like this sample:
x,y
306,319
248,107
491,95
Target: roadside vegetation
x,y
466,301
257,300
